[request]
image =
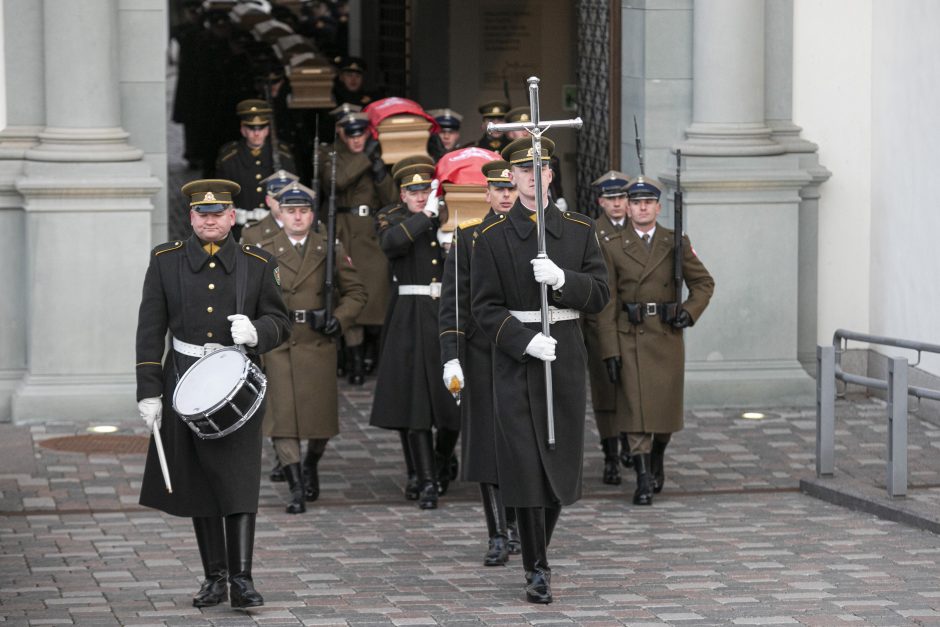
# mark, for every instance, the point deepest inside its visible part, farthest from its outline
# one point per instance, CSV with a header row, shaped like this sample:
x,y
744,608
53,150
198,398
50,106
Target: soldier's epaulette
x,y
571,216
466,224
257,253
497,219
167,247
284,148
228,151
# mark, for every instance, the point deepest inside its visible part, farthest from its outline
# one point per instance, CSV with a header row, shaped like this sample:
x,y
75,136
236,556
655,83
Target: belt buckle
x,y
363,211
299,316
650,309
435,290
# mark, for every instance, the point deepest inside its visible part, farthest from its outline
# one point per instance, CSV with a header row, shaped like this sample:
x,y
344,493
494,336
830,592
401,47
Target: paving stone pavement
x,y
731,540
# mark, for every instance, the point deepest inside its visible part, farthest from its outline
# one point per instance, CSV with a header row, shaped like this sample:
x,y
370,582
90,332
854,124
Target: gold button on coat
x,y
209,334
212,286
209,309
211,264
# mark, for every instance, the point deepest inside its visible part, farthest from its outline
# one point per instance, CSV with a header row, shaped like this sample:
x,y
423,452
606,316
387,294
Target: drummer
x,y
190,289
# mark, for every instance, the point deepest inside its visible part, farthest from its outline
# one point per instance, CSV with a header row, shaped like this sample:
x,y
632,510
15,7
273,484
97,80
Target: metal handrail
x,y
829,370
920,347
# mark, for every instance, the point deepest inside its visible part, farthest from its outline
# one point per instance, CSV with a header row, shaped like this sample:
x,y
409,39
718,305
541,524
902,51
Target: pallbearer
x,y
506,277
192,290
407,392
466,355
302,387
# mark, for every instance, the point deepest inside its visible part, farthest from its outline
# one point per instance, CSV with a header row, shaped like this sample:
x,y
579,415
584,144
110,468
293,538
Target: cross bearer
x,y
505,276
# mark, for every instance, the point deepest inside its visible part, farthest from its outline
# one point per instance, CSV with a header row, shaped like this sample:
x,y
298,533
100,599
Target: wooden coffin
x,y
402,136
311,80
464,202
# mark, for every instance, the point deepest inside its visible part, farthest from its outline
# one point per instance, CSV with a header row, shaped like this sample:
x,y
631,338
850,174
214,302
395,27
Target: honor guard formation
x,y
337,233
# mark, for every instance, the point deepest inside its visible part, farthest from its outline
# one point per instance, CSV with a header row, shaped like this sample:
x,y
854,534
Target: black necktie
x,y
300,249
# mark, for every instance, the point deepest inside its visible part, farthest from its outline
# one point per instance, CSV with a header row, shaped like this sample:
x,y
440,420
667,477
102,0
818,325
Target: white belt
x,y
244,216
554,315
195,350
433,290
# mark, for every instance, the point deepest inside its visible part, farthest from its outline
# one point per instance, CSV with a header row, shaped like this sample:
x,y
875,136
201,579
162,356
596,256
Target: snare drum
x,y
219,393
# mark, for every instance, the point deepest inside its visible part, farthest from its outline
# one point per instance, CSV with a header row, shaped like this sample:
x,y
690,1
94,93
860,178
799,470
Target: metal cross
x,y
535,128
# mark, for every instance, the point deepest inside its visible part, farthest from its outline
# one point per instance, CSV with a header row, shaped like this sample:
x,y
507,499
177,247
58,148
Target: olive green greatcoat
x,y
355,187
264,229
301,373
603,392
653,352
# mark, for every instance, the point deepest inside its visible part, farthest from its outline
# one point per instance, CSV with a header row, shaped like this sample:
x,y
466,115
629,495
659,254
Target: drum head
x,y
210,382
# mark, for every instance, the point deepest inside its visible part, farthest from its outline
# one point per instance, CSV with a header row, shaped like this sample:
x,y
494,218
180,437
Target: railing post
x,y
825,410
896,467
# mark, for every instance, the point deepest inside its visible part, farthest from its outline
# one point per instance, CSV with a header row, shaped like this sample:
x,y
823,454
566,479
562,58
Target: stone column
x,y
87,199
728,80
742,211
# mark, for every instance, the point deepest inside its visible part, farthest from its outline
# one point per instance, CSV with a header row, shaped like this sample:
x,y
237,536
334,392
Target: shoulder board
x,y
230,150
167,247
579,219
284,148
257,253
469,223
497,220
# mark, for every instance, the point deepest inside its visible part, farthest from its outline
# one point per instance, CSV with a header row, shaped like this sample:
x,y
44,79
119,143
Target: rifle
x,y
639,146
330,239
316,171
275,153
677,233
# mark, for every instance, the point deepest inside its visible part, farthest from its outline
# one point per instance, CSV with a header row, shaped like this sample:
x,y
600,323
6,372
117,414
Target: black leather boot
x,y
657,459
512,532
370,356
240,540
357,375
625,457
611,462
422,452
277,472
644,489
497,553
341,358
444,458
538,575
412,489
210,536
311,473
295,482
551,519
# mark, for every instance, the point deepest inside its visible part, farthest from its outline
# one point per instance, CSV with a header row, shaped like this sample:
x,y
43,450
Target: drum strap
x,y
241,283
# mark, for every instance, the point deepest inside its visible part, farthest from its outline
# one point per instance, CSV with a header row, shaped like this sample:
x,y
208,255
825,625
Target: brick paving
x,y
731,541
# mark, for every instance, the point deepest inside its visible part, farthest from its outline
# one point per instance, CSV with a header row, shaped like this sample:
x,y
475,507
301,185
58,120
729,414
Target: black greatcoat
x,y
237,162
502,280
191,294
409,390
462,339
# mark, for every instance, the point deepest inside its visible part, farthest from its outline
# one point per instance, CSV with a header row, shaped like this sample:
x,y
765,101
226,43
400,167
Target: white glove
x,y
243,332
542,347
548,273
430,206
151,411
453,370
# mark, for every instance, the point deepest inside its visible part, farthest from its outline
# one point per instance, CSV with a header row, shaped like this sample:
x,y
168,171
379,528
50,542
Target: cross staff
x,y
535,128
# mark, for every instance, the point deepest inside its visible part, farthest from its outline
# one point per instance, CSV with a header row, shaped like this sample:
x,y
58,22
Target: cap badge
x,y
495,110
210,197
504,174
525,117
416,178
528,152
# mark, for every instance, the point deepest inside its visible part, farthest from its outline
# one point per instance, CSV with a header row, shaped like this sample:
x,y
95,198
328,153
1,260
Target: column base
x,y
729,140
9,381
757,384
74,398
84,145
16,140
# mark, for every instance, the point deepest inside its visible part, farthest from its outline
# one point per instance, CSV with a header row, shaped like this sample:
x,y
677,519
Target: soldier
x,y
505,292
463,346
522,114
251,159
405,397
362,187
271,224
641,344
493,111
446,140
612,197
349,85
190,289
302,387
